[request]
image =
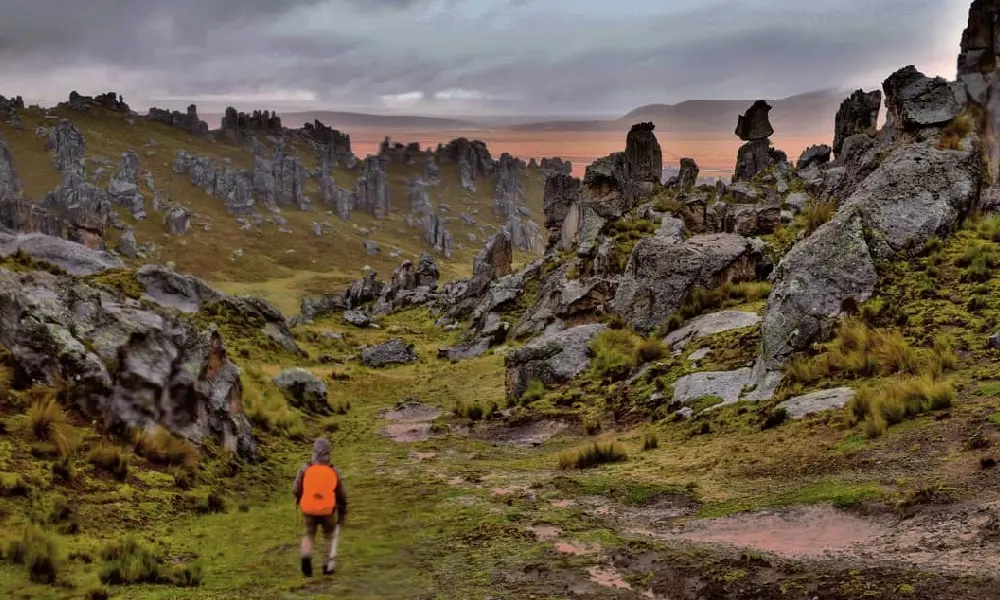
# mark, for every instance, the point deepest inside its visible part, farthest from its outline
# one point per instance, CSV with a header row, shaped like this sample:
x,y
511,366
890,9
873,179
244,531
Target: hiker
x,y
319,492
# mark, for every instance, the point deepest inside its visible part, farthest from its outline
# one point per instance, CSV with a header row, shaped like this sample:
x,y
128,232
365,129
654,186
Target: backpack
x,y
318,485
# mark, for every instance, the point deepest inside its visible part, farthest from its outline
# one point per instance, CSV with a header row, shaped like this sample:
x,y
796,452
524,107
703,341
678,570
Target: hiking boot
x,y
307,566
329,568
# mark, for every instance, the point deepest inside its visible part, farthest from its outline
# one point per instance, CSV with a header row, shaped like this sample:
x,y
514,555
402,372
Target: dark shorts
x,y
325,523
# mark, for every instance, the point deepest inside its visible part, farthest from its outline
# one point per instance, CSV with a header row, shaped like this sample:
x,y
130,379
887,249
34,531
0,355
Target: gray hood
x,y
321,452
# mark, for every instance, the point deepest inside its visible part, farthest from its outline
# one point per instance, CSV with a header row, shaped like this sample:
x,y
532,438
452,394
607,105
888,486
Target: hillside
x,y
784,387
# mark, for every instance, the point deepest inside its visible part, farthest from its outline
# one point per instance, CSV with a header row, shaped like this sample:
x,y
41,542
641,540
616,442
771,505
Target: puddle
x,y
529,434
577,548
412,423
408,432
809,532
415,412
544,533
608,577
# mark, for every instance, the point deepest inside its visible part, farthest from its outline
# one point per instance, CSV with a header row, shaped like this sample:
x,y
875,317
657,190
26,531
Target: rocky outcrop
x,y
129,365
508,193
186,121
710,324
432,229
918,192
11,188
173,290
124,187
525,234
661,273
915,100
77,211
339,143
127,244
393,352
238,127
750,220
10,106
858,114
643,154
472,157
304,391
72,257
756,155
687,178
278,180
177,220
492,262
555,165
813,156
553,358
67,146
371,189
432,172
560,195
108,101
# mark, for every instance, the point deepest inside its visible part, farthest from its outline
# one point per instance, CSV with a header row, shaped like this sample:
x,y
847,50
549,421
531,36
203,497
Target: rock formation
x,y
551,166
108,101
915,100
561,194
237,127
66,144
643,154
755,124
371,189
813,156
858,114
339,143
472,157
187,121
124,187
757,155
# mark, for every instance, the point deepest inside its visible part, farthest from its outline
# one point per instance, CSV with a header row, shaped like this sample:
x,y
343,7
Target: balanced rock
x,y
754,124
643,154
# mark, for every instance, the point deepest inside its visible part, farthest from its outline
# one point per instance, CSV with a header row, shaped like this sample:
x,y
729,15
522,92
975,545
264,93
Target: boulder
x,y
710,324
67,146
916,101
314,307
492,262
171,289
752,158
555,357
124,187
129,366
357,318
304,391
687,178
802,406
813,155
371,248
393,352
727,385
660,274
754,124
751,219
127,246
858,114
177,220
72,257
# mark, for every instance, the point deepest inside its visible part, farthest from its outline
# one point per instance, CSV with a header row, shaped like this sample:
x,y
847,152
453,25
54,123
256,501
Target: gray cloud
x,y
551,57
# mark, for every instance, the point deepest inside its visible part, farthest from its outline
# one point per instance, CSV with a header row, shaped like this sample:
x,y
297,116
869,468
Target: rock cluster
x,y
756,155
371,189
339,143
9,107
551,166
472,157
858,114
237,127
108,101
432,227
187,121
124,187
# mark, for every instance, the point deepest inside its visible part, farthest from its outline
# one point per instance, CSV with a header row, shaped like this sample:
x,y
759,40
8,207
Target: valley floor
x,y
470,510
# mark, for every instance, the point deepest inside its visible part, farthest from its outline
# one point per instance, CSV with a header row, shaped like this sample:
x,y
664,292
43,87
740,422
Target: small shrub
x,y
817,213
184,479
943,357
111,460
987,462
269,411
12,484
989,229
592,455
49,424
468,410
342,407
214,502
94,589
650,350
615,352
162,447
62,470
591,426
650,441
130,561
189,575
39,552
978,262
533,392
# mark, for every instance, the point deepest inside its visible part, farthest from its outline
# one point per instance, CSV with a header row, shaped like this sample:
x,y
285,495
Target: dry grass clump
x,y
954,132
592,455
110,459
49,423
162,447
39,552
879,408
817,213
615,353
700,301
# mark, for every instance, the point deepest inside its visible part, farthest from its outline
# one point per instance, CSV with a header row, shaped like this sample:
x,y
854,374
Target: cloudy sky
x,y
464,57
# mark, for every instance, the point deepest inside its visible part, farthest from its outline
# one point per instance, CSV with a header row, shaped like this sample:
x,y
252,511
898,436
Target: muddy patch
x,y
577,548
608,577
423,455
527,435
411,422
810,532
544,533
562,503
509,490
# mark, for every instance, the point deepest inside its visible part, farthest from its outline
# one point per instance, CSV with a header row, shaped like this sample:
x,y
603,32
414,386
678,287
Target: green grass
x,y
840,494
592,455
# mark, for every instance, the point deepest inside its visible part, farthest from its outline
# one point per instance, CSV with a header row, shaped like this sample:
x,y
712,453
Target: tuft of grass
x,y
110,459
468,410
955,131
615,353
269,411
162,447
879,408
650,441
776,417
700,301
650,350
49,424
978,262
591,425
592,455
94,589
989,229
130,561
39,552
533,392
817,213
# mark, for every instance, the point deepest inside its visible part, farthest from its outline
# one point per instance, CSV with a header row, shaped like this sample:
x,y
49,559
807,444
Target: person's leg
x,y
307,545
328,532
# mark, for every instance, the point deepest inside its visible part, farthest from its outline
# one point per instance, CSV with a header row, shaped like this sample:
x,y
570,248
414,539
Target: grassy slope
x,y
278,266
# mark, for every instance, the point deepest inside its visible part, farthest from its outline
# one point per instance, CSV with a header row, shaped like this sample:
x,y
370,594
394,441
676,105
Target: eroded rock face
x,y
72,257
813,156
753,158
130,366
688,176
124,187
643,154
393,352
177,220
67,146
858,114
561,193
553,358
372,188
660,274
188,121
76,210
915,100
552,166
755,124
339,143
238,126
492,262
